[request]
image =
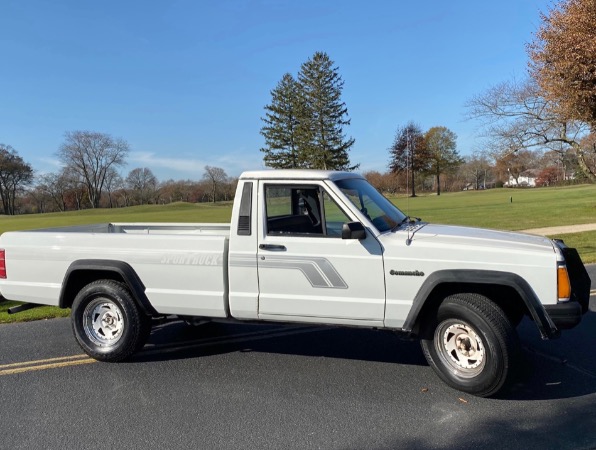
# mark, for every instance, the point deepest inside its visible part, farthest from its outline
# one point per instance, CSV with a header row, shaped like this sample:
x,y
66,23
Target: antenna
x,y
408,154
408,150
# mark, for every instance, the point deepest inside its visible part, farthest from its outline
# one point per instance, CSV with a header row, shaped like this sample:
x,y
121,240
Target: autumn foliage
x,y
563,59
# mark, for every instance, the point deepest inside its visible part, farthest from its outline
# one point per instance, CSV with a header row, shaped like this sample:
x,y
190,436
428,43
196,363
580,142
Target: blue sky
x,y
185,82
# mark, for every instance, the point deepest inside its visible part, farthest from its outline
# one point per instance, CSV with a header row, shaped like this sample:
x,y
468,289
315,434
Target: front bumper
x,y
569,314
565,315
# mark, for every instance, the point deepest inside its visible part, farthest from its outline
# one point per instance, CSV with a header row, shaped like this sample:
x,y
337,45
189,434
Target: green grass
x,y
43,312
505,209
585,243
175,212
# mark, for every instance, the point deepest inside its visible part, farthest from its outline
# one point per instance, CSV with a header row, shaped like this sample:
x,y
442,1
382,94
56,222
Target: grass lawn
x,y
506,209
175,212
585,243
503,209
43,312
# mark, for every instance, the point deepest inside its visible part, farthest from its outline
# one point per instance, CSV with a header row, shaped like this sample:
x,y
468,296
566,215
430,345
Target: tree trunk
x,y
583,165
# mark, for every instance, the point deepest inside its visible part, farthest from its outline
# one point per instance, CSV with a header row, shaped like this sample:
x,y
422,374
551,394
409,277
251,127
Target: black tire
x,y
107,323
515,314
471,345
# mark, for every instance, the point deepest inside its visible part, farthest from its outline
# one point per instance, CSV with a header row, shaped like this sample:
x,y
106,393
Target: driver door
x,y
306,270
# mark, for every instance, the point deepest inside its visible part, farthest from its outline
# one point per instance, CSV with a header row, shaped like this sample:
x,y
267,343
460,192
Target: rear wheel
x,y
471,344
107,323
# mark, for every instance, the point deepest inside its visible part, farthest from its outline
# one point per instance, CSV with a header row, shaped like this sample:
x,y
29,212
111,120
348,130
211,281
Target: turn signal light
x,y
563,284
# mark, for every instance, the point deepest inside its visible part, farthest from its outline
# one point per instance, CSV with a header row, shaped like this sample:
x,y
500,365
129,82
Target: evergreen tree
x,y
281,124
304,122
321,137
409,153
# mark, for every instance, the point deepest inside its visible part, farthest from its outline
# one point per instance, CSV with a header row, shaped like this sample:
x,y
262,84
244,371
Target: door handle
x,y
273,248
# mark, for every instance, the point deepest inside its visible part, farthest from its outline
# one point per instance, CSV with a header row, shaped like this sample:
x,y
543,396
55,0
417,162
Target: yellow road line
x,y
42,361
54,363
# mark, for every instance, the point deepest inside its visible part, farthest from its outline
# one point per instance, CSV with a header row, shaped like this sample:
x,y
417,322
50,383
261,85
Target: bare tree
x,y
516,116
476,169
215,176
15,174
113,182
142,183
91,155
55,186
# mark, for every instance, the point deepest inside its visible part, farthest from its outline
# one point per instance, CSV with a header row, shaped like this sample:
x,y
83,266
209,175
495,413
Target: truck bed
x,y
183,266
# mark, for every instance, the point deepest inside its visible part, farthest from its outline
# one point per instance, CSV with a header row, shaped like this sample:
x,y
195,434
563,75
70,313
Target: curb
x,y
569,229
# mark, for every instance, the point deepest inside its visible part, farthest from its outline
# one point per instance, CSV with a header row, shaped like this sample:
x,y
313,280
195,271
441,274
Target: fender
x,y
121,268
547,328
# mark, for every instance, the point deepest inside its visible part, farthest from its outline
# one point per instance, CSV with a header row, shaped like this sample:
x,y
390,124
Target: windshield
x,y
383,214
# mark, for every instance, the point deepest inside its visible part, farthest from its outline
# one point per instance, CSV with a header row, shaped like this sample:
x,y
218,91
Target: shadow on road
x,y
177,340
555,369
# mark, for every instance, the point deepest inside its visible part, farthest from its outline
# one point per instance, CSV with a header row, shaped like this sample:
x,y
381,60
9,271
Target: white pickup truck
x,y
310,247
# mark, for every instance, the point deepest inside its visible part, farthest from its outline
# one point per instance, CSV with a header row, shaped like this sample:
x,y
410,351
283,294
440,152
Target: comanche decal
x,y
318,271
407,273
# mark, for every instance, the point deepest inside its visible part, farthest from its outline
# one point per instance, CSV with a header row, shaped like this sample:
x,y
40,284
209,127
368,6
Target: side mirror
x,y
353,230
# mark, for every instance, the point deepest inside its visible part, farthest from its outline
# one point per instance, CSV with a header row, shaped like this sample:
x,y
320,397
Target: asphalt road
x,y
271,387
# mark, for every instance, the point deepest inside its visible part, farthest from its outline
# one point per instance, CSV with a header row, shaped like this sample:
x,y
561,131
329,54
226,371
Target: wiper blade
x,y
407,219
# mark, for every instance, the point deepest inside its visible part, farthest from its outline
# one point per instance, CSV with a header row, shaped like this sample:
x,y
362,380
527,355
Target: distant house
x,y
526,179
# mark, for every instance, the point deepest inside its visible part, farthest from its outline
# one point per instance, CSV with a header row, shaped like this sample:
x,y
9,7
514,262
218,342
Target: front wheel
x,y
106,322
471,344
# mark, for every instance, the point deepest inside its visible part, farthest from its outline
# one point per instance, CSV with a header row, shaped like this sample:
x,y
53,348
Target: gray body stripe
x,y
318,271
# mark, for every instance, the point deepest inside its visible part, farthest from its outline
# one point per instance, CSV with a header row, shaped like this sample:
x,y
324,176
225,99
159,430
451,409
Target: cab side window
x,y
334,216
302,210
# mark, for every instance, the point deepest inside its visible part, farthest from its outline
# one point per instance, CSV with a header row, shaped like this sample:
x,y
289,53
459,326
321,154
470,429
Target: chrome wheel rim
x,y
103,322
460,348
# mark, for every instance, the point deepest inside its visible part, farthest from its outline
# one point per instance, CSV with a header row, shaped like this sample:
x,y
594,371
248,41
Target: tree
x,y
215,176
90,155
516,163
55,186
409,153
442,150
588,146
562,59
142,183
516,115
113,182
281,126
476,169
322,116
547,176
15,174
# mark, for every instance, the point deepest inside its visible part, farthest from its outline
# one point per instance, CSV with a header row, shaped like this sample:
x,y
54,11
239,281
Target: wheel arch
x,y
84,271
506,289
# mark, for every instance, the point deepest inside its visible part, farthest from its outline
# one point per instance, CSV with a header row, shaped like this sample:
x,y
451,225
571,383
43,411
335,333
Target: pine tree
x,y
281,124
304,122
321,137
